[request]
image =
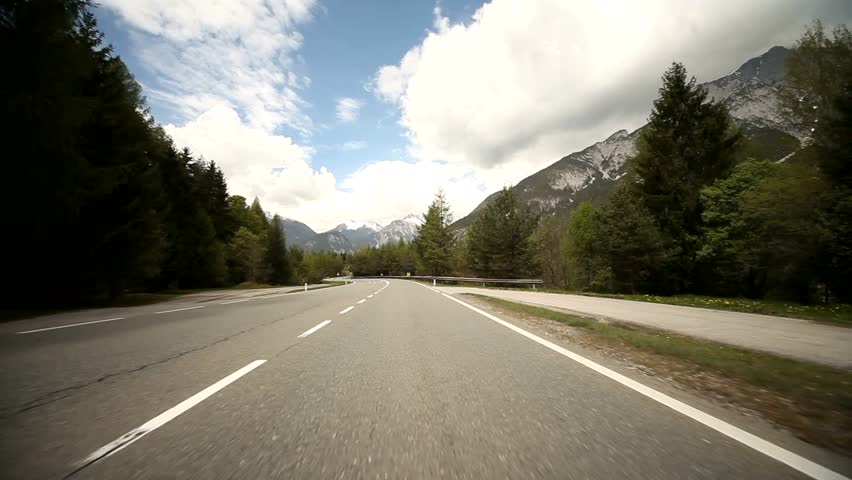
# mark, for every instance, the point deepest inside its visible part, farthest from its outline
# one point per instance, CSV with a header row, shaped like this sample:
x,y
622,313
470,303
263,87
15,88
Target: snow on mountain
x,y
751,93
404,228
351,235
413,219
330,241
355,225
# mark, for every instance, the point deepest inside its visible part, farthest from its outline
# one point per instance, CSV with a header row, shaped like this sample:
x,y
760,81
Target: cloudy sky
x,y
336,110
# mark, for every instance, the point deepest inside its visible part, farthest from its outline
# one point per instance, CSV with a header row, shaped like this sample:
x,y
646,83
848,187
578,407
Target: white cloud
x,y
256,163
387,190
227,67
391,80
439,22
348,109
278,171
205,53
524,83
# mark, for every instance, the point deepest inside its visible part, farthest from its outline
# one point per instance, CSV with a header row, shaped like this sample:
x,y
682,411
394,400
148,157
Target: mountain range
x,y
751,93
351,235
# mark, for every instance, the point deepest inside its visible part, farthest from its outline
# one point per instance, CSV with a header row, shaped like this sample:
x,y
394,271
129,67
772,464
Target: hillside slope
x,y
752,95
296,232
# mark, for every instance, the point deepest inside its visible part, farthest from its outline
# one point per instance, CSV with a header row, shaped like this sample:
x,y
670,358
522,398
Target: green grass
x,y
819,391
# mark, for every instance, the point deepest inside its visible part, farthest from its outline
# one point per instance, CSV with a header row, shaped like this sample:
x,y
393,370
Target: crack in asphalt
x,y
55,395
46,399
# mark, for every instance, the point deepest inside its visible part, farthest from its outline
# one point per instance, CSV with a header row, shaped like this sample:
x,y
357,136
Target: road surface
x,y
370,380
802,339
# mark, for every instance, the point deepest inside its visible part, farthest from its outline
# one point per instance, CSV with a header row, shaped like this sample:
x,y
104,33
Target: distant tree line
x,y
497,245
398,259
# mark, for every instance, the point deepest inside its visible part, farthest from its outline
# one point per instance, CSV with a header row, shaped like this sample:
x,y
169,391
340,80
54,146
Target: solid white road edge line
x,y
427,286
769,449
123,441
236,301
322,324
362,301
179,309
345,310
68,326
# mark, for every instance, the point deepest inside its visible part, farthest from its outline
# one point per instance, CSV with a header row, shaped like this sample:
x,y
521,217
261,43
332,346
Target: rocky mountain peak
x,y
767,68
412,218
617,136
351,235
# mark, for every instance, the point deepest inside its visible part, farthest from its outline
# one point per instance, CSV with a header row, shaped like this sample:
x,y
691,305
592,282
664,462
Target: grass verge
x,y
813,401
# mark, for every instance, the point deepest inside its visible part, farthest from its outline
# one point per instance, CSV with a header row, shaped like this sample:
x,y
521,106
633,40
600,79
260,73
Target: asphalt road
x,y
802,339
371,380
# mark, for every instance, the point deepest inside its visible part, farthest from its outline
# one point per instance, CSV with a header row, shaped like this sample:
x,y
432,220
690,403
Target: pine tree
x,y
275,256
818,71
548,242
245,256
78,150
629,243
818,97
498,242
260,220
434,241
213,196
298,269
834,147
689,143
584,260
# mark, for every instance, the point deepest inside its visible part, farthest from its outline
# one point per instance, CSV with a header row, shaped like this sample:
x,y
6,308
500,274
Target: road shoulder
x,y
757,410
801,339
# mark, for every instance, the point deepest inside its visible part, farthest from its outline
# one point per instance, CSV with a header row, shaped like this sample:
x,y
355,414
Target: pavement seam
x,y
46,400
